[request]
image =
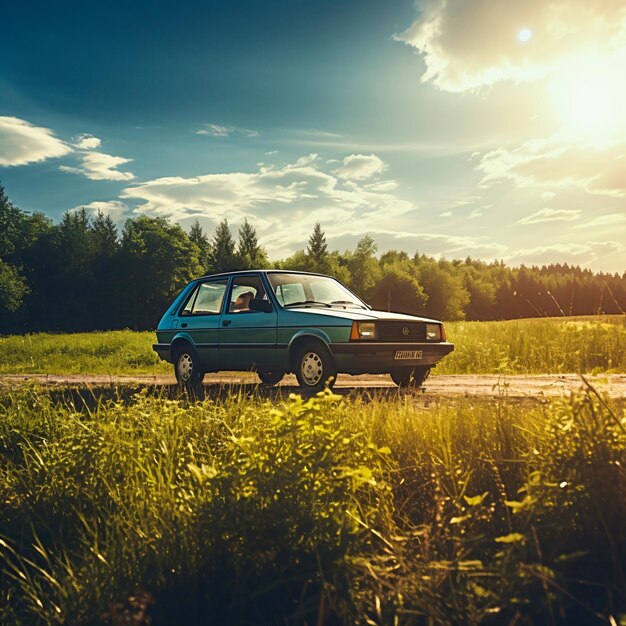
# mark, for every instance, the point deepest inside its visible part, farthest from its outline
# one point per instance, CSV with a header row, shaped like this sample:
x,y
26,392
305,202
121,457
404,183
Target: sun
x,y
589,96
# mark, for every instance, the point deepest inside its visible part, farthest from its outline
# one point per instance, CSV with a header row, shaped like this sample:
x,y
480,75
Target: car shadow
x,y
89,397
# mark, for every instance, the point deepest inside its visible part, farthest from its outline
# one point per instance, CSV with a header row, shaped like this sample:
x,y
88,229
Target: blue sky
x,y
456,128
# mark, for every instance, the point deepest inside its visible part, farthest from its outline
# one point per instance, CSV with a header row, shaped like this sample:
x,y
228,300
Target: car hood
x,y
360,315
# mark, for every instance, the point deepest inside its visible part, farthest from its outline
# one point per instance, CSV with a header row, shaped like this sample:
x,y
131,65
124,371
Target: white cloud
x,y
582,253
458,245
476,213
468,45
382,185
610,220
114,208
219,130
87,142
551,215
100,166
446,214
360,166
284,202
22,143
559,164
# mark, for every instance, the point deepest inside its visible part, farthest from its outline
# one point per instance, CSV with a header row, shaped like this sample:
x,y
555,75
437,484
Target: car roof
x,y
270,271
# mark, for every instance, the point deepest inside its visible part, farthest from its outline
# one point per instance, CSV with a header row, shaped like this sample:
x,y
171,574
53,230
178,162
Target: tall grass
x,y
533,346
112,352
537,346
327,511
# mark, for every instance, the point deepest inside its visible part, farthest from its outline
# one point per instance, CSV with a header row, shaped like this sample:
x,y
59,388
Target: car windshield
x,y
312,290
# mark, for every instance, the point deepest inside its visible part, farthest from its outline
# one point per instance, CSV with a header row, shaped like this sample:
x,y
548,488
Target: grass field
x,y
365,510
534,346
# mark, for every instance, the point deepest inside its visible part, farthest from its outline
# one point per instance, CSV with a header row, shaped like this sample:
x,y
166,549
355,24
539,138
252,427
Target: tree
x,y
317,250
104,235
158,260
12,287
224,259
363,268
398,289
481,290
298,261
197,236
250,255
443,285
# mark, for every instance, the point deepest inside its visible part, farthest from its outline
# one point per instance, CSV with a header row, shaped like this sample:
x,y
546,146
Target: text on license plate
x,y
408,354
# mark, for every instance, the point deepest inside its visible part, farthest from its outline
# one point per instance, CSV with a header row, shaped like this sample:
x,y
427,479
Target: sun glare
x,y
525,35
589,98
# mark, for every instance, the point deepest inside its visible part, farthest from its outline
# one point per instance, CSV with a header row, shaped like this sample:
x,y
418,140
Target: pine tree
x,y
11,222
223,245
317,250
197,236
105,236
250,254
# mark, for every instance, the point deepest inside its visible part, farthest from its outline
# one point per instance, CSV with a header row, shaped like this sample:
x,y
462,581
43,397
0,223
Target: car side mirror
x,y
257,304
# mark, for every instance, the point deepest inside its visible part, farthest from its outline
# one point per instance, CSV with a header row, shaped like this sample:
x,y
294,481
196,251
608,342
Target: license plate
x,y
408,354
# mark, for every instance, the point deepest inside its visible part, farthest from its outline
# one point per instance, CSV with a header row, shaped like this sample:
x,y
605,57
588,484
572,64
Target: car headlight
x,y
433,332
363,330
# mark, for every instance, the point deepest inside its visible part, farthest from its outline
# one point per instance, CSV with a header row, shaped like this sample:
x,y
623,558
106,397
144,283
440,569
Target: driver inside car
x,y
242,303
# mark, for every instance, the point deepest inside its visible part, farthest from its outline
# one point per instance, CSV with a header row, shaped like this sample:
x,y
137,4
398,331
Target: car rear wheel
x,y
314,367
410,376
187,368
270,378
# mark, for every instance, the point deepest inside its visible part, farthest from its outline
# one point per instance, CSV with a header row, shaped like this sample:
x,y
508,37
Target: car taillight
x,y
443,333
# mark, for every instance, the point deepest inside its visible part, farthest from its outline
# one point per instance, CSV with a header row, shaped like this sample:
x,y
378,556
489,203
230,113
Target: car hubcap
x,y
311,368
185,366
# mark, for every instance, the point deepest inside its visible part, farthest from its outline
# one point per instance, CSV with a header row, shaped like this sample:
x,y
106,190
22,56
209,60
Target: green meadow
x,y
529,346
119,506
372,509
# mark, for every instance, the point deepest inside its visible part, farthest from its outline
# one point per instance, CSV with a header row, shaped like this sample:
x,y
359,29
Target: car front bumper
x,y
379,358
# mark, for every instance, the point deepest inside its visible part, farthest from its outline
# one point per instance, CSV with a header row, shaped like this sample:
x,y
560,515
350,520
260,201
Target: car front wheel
x,y
187,368
314,367
410,376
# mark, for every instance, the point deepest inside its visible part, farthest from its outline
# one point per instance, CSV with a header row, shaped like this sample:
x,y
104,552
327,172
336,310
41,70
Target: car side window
x,y
207,299
244,289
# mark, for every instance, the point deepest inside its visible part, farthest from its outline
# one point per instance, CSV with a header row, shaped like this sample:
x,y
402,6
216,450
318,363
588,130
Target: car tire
x,y
187,369
270,379
413,377
314,367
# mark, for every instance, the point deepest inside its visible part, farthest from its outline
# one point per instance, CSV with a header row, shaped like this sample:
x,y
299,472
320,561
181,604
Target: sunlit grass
x,y
537,346
532,346
376,510
112,352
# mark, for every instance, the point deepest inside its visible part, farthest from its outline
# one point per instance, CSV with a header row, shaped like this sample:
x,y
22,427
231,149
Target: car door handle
x,y
183,325
226,322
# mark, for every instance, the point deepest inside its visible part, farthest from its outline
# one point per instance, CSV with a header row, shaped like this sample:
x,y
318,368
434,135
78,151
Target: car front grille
x,y
401,331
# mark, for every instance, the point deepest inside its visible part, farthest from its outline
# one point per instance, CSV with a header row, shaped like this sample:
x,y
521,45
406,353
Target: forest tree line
x,y
83,274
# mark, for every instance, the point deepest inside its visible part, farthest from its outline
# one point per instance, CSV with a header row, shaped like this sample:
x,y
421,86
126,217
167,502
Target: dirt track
x,y
438,386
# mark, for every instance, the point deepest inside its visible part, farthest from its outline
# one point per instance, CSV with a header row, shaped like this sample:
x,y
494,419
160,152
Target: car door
x,y
200,319
247,338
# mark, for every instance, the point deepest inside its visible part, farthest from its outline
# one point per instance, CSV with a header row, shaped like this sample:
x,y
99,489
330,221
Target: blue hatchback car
x,y
276,321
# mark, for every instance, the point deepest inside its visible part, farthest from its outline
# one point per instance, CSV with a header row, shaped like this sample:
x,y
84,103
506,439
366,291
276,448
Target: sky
x,y
494,129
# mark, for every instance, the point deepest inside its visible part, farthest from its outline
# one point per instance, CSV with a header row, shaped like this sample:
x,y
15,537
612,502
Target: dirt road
x,y
439,386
